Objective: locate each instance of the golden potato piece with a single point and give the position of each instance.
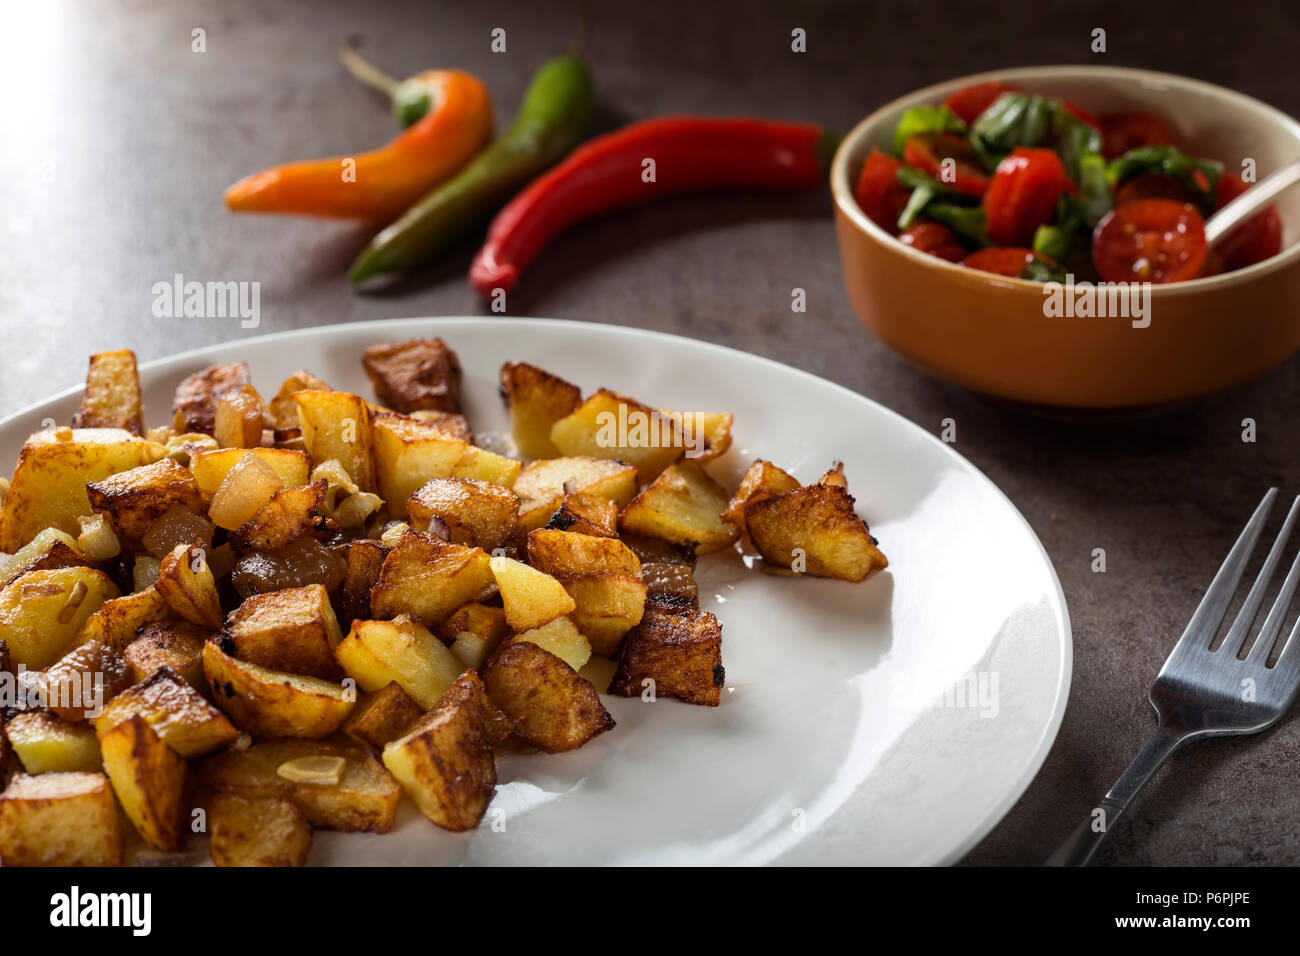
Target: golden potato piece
(292, 630)
(449, 423)
(707, 435)
(366, 798)
(608, 606)
(762, 480)
(445, 761)
(195, 402)
(677, 652)
(79, 684)
(583, 513)
(564, 554)
(477, 513)
(409, 453)
(175, 710)
(187, 585)
(483, 465)
(562, 639)
(42, 611)
(283, 411)
(47, 744)
(133, 500)
(403, 650)
(338, 425)
(59, 819)
(112, 396)
(269, 704)
(683, 505)
(609, 425)
(531, 598)
(240, 418)
(175, 643)
(415, 374)
(382, 716)
(475, 631)
(116, 622)
(814, 530)
(47, 551)
(257, 831)
(211, 467)
(150, 781)
(543, 485)
(536, 400)
(548, 704)
(429, 578)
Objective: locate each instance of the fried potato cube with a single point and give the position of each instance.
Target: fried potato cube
(609, 425)
(449, 423)
(59, 819)
(415, 374)
(536, 400)
(445, 761)
(586, 514)
(176, 644)
(283, 411)
(291, 630)
(47, 744)
(564, 554)
(112, 395)
(683, 505)
(562, 639)
(133, 500)
(338, 425)
(150, 780)
(549, 705)
(116, 622)
(835, 476)
(762, 480)
(483, 465)
(679, 650)
(608, 606)
(477, 513)
(50, 549)
(409, 453)
(365, 798)
(707, 435)
(83, 680)
(48, 488)
(186, 583)
(382, 716)
(363, 560)
(531, 598)
(543, 485)
(268, 703)
(42, 611)
(177, 712)
(257, 831)
(816, 530)
(429, 578)
(240, 418)
(195, 403)
(475, 630)
(670, 579)
(211, 467)
(402, 650)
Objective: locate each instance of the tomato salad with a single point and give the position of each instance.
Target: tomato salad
(1005, 181)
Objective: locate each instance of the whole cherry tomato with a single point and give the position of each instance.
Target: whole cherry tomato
(1256, 239)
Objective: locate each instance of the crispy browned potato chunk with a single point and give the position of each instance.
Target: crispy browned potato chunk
(89, 674)
(449, 423)
(564, 554)
(476, 513)
(543, 485)
(586, 514)
(429, 578)
(41, 612)
(445, 761)
(133, 500)
(683, 505)
(530, 597)
(609, 605)
(50, 549)
(112, 396)
(59, 819)
(178, 713)
(549, 705)
(174, 643)
(814, 530)
(475, 631)
(186, 583)
(675, 650)
(117, 621)
(338, 425)
(610, 425)
(44, 743)
(415, 374)
(290, 630)
(150, 781)
(257, 831)
(377, 652)
(364, 558)
(195, 402)
(283, 411)
(365, 797)
(670, 579)
(707, 434)
(239, 419)
(269, 703)
(382, 716)
(536, 400)
(762, 480)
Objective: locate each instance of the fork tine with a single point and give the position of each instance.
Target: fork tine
(1240, 630)
(1277, 614)
(1214, 605)
(1287, 668)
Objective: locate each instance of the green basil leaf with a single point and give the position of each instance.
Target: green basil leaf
(925, 119)
(921, 196)
(1036, 270)
(970, 222)
(1168, 161)
(1053, 242)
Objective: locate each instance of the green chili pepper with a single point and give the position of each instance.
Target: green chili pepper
(552, 120)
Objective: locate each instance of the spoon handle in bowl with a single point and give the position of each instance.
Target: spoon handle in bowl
(1251, 201)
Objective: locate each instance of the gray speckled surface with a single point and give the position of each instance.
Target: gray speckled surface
(120, 140)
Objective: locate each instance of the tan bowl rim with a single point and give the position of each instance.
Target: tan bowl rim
(843, 192)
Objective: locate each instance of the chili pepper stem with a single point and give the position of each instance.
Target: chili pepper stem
(583, 36)
(364, 70)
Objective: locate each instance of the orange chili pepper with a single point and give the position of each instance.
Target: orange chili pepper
(381, 184)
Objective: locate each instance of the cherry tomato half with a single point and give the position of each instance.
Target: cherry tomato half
(934, 239)
(1004, 260)
(1256, 239)
(1023, 194)
(1150, 240)
(879, 193)
(1121, 132)
(970, 101)
(928, 151)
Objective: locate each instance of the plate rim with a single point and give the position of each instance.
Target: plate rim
(1048, 735)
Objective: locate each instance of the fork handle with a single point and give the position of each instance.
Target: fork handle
(1079, 848)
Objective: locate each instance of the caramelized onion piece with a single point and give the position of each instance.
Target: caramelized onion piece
(246, 487)
(302, 562)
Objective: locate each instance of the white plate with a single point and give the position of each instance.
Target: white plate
(834, 743)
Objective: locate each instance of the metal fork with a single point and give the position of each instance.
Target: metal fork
(1202, 693)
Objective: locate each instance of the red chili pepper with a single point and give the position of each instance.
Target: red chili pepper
(689, 154)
